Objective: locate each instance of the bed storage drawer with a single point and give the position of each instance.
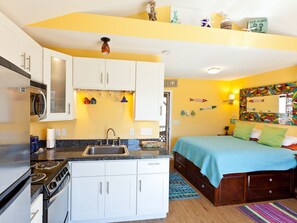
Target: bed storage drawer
(180, 164)
(179, 158)
(259, 194)
(268, 180)
(205, 188)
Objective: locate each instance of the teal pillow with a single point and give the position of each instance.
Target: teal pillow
(243, 131)
(272, 136)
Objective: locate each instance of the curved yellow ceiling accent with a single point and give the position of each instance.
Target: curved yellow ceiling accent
(83, 22)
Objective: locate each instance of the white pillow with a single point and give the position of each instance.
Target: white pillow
(256, 133)
(289, 140)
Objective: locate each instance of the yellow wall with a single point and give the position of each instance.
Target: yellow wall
(275, 77)
(208, 122)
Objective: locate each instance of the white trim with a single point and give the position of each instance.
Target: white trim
(170, 117)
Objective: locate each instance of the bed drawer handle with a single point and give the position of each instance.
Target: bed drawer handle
(270, 191)
(202, 186)
(270, 179)
(179, 166)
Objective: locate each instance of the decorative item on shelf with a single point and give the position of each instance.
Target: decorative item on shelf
(208, 108)
(182, 113)
(198, 100)
(230, 99)
(205, 22)
(226, 22)
(175, 18)
(151, 10)
(86, 101)
(105, 49)
(93, 101)
(193, 113)
(124, 99)
(258, 25)
(226, 128)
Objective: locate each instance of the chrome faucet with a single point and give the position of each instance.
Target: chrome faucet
(107, 134)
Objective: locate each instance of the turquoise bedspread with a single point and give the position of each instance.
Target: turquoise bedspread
(218, 155)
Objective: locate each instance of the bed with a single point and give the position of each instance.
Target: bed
(228, 170)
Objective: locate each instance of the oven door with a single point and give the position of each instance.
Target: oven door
(37, 104)
(58, 208)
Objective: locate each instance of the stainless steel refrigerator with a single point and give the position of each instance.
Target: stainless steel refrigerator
(14, 144)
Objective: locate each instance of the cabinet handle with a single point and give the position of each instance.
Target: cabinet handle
(24, 60)
(139, 185)
(153, 164)
(179, 166)
(101, 78)
(107, 189)
(100, 187)
(161, 110)
(107, 81)
(34, 214)
(270, 179)
(69, 108)
(270, 191)
(29, 63)
(202, 186)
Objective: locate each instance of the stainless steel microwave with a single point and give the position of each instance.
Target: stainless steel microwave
(37, 101)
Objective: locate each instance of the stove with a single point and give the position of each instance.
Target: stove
(54, 176)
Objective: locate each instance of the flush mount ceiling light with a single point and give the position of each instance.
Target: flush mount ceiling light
(105, 50)
(214, 70)
(166, 52)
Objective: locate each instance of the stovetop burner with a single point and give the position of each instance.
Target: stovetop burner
(33, 164)
(47, 165)
(36, 177)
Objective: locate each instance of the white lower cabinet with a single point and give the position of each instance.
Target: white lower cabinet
(87, 198)
(119, 190)
(36, 210)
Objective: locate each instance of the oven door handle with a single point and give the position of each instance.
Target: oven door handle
(61, 191)
(44, 110)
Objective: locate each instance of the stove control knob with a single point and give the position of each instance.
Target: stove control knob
(65, 170)
(53, 185)
(61, 174)
(58, 178)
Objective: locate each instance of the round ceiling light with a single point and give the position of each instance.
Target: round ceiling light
(214, 70)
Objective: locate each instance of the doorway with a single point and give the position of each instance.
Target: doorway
(165, 122)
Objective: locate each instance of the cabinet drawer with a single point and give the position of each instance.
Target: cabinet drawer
(119, 167)
(257, 194)
(88, 169)
(268, 180)
(180, 167)
(180, 158)
(36, 210)
(153, 166)
(205, 188)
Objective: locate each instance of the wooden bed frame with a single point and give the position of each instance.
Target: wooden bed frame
(240, 187)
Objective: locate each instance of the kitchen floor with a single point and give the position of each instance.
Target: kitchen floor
(201, 210)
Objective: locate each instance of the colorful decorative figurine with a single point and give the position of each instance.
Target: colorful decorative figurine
(205, 23)
(150, 9)
(93, 101)
(86, 101)
(175, 18)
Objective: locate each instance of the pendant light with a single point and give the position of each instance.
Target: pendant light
(105, 50)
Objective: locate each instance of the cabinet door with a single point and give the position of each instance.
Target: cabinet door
(152, 193)
(120, 75)
(120, 199)
(36, 210)
(58, 78)
(87, 198)
(88, 73)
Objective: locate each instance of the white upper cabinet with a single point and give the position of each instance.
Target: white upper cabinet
(100, 74)
(88, 73)
(57, 70)
(149, 91)
(20, 49)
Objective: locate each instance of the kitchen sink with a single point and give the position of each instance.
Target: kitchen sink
(106, 150)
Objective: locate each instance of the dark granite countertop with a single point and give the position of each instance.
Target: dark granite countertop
(35, 191)
(74, 153)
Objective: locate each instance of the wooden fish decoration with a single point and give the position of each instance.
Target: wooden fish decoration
(208, 108)
(256, 100)
(198, 100)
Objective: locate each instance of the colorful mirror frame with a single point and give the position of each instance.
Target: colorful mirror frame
(290, 118)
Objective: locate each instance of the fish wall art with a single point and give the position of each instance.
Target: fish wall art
(198, 100)
(208, 108)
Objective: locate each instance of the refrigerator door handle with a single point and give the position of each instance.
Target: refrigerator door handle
(5, 203)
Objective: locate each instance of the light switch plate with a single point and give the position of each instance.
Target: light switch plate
(132, 132)
(57, 132)
(64, 132)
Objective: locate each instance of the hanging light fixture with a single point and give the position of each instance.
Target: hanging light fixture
(105, 50)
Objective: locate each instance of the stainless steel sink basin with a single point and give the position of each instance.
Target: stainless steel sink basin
(95, 150)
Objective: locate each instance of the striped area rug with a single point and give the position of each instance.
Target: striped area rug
(270, 212)
(179, 189)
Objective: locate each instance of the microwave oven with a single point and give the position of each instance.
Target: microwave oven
(37, 101)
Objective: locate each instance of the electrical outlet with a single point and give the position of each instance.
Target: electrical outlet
(64, 132)
(132, 132)
(58, 132)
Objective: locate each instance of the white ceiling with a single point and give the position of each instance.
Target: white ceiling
(187, 59)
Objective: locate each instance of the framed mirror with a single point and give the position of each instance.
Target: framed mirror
(275, 104)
